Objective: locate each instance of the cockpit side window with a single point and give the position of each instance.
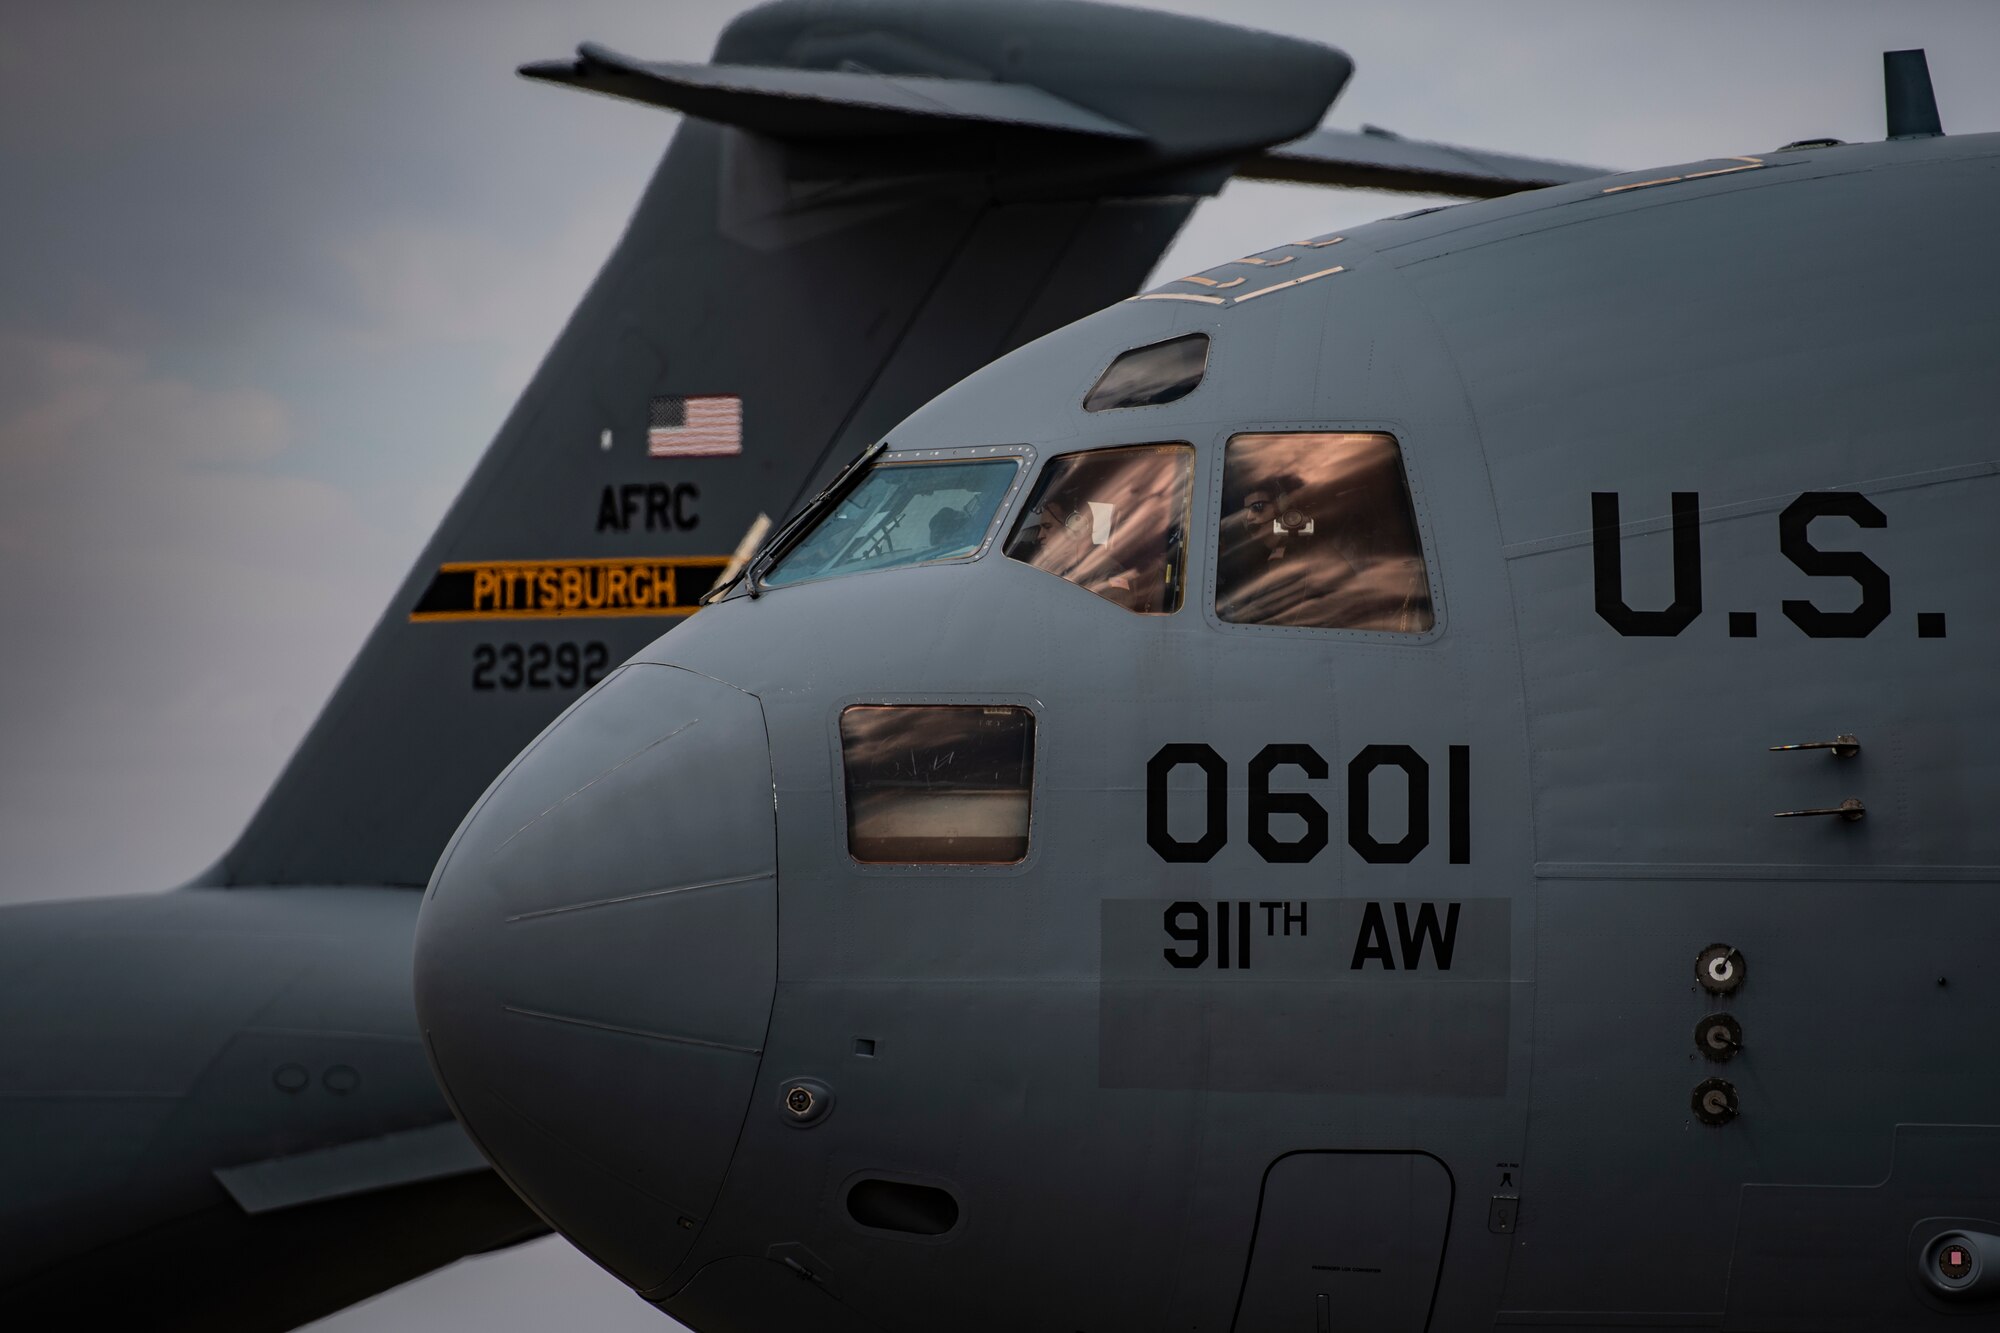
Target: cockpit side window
(1318, 530)
(938, 783)
(1114, 522)
(901, 514)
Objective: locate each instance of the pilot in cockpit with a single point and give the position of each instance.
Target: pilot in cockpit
(1062, 529)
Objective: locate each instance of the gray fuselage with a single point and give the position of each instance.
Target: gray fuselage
(651, 931)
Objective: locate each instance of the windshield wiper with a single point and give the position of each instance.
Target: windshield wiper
(796, 527)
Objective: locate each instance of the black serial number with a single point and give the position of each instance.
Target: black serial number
(538, 666)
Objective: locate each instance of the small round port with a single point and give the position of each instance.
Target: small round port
(1720, 969)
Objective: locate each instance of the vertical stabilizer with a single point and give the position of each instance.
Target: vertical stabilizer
(1908, 99)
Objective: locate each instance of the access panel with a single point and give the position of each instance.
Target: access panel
(1347, 1241)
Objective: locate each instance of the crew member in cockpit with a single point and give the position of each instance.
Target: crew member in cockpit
(1068, 551)
(1269, 539)
(951, 533)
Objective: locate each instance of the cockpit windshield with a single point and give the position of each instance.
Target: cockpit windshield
(901, 514)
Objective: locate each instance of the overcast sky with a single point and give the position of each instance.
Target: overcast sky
(271, 274)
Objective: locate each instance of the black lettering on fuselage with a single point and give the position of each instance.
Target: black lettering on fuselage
(1607, 561)
(1371, 941)
(1795, 540)
(1264, 803)
(1417, 827)
(1215, 807)
(1442, 941)
(1196, 934)
(1266, 808)
(1272, 912)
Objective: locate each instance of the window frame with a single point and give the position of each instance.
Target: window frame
(1419, 506)
(1023, 456)
(837, 778)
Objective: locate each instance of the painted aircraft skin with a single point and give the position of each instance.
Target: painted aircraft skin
(219, 1093)
(1702, 461)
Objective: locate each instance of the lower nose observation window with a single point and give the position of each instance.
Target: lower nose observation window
(1317, 530)
(938, 783)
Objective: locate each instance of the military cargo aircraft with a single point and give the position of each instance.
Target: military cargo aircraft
(218, 1094)
(1427, 777)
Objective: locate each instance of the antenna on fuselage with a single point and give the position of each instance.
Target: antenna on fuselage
(1906, 90)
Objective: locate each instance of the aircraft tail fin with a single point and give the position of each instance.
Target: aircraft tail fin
(881, 197)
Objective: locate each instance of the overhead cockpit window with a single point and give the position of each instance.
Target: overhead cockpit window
(1318, 530)
(938, 783)
(1147, 376)
(901, 514)
(1112, 521)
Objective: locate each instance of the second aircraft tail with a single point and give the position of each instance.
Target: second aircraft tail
(884, 197)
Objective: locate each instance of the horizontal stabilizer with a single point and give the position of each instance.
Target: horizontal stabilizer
(1375, 159)
(825, 104)
(404, 1158)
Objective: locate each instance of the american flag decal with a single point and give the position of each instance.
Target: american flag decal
(708, 425)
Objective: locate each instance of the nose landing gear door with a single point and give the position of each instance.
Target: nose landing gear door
(1347, 1240)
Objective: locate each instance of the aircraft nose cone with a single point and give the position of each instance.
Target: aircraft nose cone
(595, 961)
